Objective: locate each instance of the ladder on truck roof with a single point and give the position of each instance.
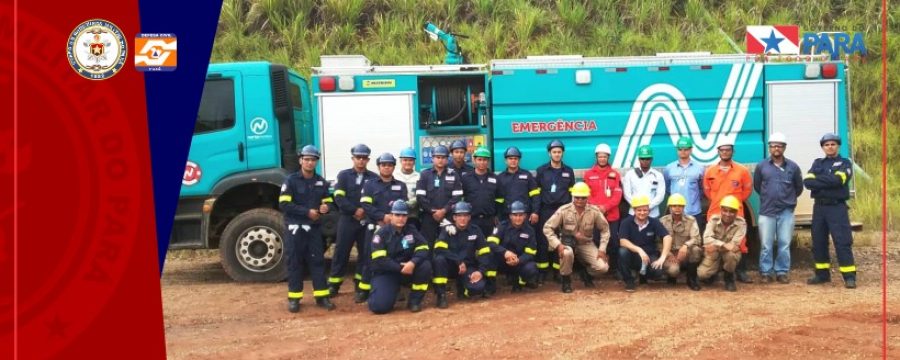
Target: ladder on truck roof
(661, 59)
(359, 64)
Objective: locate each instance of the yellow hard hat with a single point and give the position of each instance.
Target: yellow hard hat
(730, 202)
(581, 190)
(677, 199)
(640, 200)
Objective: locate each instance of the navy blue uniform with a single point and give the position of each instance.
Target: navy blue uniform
(522, 242)
(376, 198)
(436, 191)
(483, 193)
(828, 181)
(519, 186)
(468, 246)
(303, 237)
(461, 170)
(646, 240)
(392, 247)
(350, 230)
(555, 185)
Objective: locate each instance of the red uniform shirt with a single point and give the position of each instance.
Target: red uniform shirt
(606, 190)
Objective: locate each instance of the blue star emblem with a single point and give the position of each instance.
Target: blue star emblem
(772, 42)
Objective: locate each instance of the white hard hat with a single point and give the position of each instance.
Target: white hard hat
(777, 138)
(603, 148)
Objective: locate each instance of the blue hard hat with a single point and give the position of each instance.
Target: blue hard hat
(386, 158)
(517, 207)
(830, 137)
(408, 153)
(440, 150)
(309, 150)
(360, 150)
(556, 143)
(512, 151)
(399, 207)
(462, 207)
(458, 144)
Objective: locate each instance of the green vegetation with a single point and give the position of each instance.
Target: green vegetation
(297, 32)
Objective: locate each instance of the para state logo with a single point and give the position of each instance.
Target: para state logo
(96, 49)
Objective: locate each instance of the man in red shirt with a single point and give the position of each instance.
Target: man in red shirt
(606, 194)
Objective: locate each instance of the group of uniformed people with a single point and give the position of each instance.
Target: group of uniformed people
(462, 223)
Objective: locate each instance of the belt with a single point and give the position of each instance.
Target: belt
(829, 202)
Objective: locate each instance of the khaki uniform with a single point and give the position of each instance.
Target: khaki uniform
(561, 229)
(717, 234)
(684, 233)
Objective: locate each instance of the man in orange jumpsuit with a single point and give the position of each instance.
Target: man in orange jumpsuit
(729, 178)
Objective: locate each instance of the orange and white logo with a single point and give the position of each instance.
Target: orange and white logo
(155, 52)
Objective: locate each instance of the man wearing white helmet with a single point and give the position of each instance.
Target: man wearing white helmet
(778, 182)
(407, 173)
(606, 194)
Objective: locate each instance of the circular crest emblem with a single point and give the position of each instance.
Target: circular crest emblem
(191, 174)
(96, 49)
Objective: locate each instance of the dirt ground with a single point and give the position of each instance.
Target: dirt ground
(208, 316)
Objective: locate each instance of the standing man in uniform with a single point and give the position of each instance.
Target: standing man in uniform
(638, 251)
(779, 183)
(377, 197)
(722, 242)
(687, 245)
(729, 178)
(685, 177)
(437, 190)
(408, 175)
(645, 180)
(828, 180)
(304, 199)
(555, 180)
(570, 233)
(460, 252)
(351, 227)
(458, 149)
(606, 194)
(400, 256)
(514, 246)
(517, 184)
(482, 191)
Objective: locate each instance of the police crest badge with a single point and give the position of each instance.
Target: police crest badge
(96, 49)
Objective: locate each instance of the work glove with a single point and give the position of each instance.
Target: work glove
(451, 230)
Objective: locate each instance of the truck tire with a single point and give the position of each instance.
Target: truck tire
(252, 247)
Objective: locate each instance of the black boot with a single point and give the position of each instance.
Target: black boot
(414, 306)
(671, 281)
(566, 284)
(712, 279)
(692, 281)
(325, 303)
(361, 296)
(850, 283)
(819, 278)
(442, 299)
(333, 289)
(741, 271)
(587, 279)
(461, 292)
(729, 282)
(294, 305)
(490, 288)
(556, 277)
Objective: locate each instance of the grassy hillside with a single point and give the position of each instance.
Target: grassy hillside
(390, 32)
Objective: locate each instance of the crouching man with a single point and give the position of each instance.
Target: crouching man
(399, 257)
(722, 242)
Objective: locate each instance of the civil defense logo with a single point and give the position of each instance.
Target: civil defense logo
(259, 126)
(97, 49)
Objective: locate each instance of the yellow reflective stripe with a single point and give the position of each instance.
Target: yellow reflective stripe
(378, 253)
(365, 286)
(286, 198)
(484, 250)
(421, 247)
(493, 239)
(531, 251)
(335, 280)
(328, 200)
(439, 280)
(851, 268)
(809, 176)
(441, 245)
(420, 287)
(500, 200)
(842, 175)
(491, 273)
(340, 193)
(521, 281)
(295, 295)
(556, 266)
(357, 276)
(543, 265)
(321, 293)
(823, 266)
(534, 192)
(366, 199)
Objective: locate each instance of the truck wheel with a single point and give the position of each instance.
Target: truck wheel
(252, 247)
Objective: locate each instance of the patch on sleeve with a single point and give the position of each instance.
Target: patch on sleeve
(492, 180)
(565, 175)
(395, 187)
(523, 177)
(523, 235)
(473, 237)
